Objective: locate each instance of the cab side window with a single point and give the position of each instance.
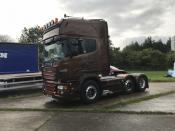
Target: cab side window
(75, 47)
(66, 48)
(88, 45)
(82, 46)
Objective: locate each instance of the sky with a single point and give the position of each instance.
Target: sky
(128, 20)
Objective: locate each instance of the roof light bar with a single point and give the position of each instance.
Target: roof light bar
(51, 23)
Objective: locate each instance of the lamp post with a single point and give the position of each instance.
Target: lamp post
(173, 49)
(173, 46)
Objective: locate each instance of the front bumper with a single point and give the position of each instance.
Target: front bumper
(65, 91)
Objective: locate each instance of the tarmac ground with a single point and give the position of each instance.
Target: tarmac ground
(33, 112)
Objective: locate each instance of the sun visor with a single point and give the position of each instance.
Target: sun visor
(82, 28)
(51, 33)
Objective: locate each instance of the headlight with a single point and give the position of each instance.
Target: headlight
(60, 87)
(59, 82)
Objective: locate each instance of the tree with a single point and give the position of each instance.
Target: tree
(131, 59)
(153, 59)
(5, 38)
(115, 55)
(148, 43)
(134, 46)
(170, 59)
(149, 55)
(31, 35)
(168, 44)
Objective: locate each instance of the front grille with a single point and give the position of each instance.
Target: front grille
(49, 74)
(50, 86)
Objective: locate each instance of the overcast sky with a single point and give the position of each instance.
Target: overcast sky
(127, 19)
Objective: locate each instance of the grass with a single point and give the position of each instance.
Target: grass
(88, 111)
(136, 100)
(21, 96)
(156, 76)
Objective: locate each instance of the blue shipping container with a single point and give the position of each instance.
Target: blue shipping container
(18, 58)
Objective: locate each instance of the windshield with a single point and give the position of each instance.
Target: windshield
(55, 51)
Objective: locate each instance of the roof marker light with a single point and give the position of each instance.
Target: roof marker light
(42, 28)
(45, 27)
(56, 20)
(52, 22)
(48, 25)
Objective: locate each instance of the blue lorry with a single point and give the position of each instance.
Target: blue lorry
(18, 58)
(18, 63)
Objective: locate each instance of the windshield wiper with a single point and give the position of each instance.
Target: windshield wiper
(58, 58)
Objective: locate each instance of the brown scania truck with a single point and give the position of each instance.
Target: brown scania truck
(76, 62)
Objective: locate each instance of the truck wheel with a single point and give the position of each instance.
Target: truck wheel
(90, 92)
(142, 83)
(129, 85)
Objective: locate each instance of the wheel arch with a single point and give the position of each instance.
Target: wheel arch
(147, 80)
(133, 78)
(96, 79)
(138, 75)
(88, 77)
(85, 84)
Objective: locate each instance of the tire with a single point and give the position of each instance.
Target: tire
(129, 85)
(90, 92)
(142, 83)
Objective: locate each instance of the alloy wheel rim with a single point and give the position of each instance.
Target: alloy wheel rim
(142, 83)
(91, 92)
(128, 85)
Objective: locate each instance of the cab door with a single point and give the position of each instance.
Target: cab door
(75, 60)
(84, 57)
(90, 55)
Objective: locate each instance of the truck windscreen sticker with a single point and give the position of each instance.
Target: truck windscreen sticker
(51, 33)
(3, 55)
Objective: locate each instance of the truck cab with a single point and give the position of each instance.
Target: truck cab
(76, 61)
